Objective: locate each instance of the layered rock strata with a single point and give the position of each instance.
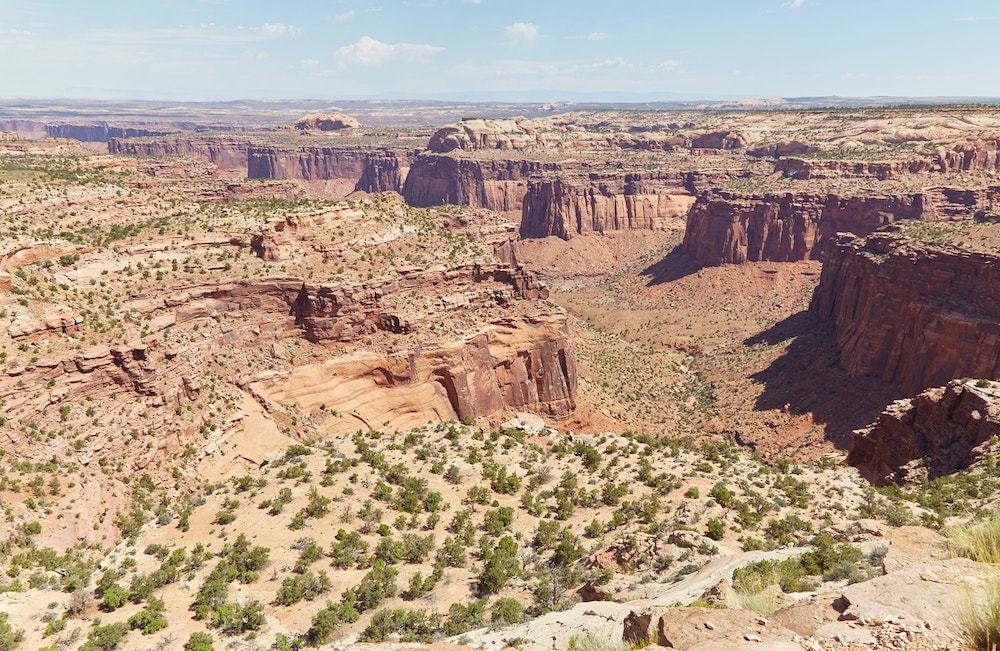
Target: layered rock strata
(938, 432)
(228, 154)
(372, 170)
(730, 228)
(564, 208)
(435, 180)
(915, 315)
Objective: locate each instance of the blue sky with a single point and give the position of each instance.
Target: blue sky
(511, 50)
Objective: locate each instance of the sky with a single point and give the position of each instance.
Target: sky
(497, 50)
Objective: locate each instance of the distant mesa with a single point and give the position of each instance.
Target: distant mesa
(326, 122)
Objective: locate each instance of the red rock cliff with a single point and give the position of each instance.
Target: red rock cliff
(942, 427)
(373, 170)
(434, 180)
(228, 154)
(567, 208)
(729, 228)
(916, 316)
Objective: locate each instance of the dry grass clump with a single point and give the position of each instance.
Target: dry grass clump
(978, 541)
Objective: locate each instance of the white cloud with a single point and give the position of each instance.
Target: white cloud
(473, 2)
(668, 66)
(522, 33)
(794, 4)
(596, 36)
(370, 52)
(347, 15)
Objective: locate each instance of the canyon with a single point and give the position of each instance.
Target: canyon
(643, 357)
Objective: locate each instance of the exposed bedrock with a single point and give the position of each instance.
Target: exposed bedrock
(938, 432)
(434, 180)
(914, 315)
(523, 363)
(729, 228)
(228, 154)
(372, 170)
(974, 156)
(566, 208)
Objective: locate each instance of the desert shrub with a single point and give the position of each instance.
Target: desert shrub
(347, 549)
(236, 619)
(306, 586)
(150, 619)
(326, 621)
(410, 625)
(464, 617)
(378, 584)
(10, 637)
(501, 565)
(105, 638)
(199, 641)
(978, 541)
(506, 610)
(979, 617)
(715, 529)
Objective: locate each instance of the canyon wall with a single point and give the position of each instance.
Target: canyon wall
(565, 208)
(517, 362)
(914, 315)
(228, 154)
(730, 228)
(435, 180)
(372, 170)
(936, 433)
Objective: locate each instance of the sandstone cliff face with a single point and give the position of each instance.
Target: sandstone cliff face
(946, 426)
(373, 170)
(563, 209)
(521, 362)
(435, 180)
(729, 228)
(916, 316)
(799, 169)
(228, 154)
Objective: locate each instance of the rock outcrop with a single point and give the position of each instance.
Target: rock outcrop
(473, 134)
(523, 364)
(434, 180)
(326, 122)
(371, 170)
(730, 228)
(228, 154)
(598, 205)
(915, 315)
(938, 432)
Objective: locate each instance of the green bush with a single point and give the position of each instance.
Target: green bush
(199, 641)
(105, 638)
(10, 637)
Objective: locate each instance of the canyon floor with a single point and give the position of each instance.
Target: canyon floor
(585, 380)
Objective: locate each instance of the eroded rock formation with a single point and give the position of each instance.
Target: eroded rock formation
(630, 202)
(938, 432)
(434, 180)
(228, 154)
(730, 228)
(371, 170)
(915, 315)
(326, 122)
